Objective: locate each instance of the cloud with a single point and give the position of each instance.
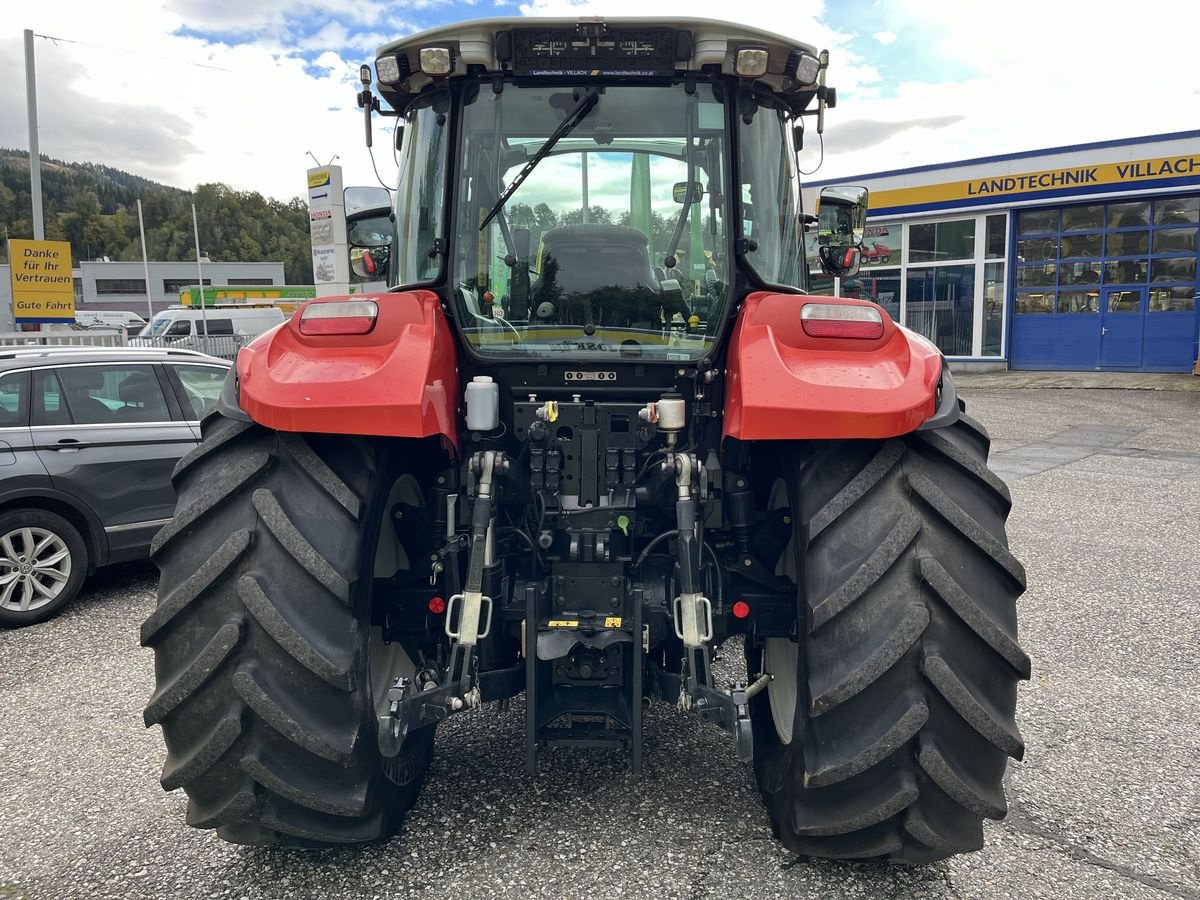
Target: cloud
(237, 91)
(860, 134)
(148, 142)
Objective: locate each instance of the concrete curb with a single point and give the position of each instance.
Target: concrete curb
(1120, 381)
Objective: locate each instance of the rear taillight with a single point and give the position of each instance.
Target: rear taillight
(339, 317)
(838, 320)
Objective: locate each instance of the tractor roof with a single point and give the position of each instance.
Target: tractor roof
(627, 47)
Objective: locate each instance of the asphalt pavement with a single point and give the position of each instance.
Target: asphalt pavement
(1106, 490)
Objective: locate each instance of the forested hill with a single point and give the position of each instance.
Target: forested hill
(95, 208)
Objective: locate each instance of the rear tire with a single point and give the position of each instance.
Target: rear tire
(262, 641)
(888, 729)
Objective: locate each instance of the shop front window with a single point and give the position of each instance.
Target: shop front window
(1128, 243)
(993, 308)
(1079, 301)
(1173, 299)
(1036, 275)
(1083, 218)
(883, 287)
(1033, 302)
(1177, 211)
(1037, 221)
(941, 306)
(1178, 268)
(940, 241)
(997, 234)
(1080, 272)
(1125, 271)
(1175, 240)
(1128, 215)
(1083, 245)
(1033, 249)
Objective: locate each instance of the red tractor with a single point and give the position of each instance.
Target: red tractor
(560, 457)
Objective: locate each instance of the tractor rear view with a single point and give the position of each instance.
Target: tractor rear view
(595, 429)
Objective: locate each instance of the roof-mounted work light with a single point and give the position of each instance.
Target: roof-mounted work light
(751, 62)
(388, 69)
(807, 68)
(436, 60)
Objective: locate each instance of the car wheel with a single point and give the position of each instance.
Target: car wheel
(43, 561)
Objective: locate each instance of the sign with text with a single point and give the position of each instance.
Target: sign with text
(1101, 177)
(327, 223)
(42, 287)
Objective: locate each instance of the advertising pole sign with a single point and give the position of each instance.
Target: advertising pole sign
(42, 287)
(327, 225)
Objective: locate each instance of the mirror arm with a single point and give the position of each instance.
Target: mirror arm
(689, 132)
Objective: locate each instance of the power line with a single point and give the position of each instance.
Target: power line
(62, 40)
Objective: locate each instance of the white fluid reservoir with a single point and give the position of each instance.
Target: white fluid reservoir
(483, 404)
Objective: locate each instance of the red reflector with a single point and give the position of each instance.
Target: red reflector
(841, 320)
(830, 328)
(741, 609)
(347, 325)
(437, 606)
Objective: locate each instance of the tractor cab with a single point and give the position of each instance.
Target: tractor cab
(598, 189)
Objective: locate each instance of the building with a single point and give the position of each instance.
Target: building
(1080, 257)
(103, 285)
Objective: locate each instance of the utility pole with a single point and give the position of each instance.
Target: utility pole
(35, 159)
(200, 279)
(145, 263)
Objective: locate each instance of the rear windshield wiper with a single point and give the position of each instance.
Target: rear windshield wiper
(574, 116)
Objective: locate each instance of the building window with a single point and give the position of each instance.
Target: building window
(941, 306)
(175, 285)
(994, 284)
(1066, 256)
(941, 241)
(881, 286)
(110, 286)
(250, 281)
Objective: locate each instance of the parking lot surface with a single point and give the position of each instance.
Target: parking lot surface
(1106, 518)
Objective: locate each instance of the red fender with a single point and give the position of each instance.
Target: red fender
(400, 380)
(785, 385)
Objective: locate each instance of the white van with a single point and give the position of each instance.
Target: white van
(180, 322)
(114, 319)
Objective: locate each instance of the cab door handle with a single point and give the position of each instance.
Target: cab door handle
(69, 445)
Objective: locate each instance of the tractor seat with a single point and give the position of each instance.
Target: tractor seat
(584, 258)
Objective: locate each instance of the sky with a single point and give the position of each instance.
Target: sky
(240, 91)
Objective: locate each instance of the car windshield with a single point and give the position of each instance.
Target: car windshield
(615, 243)
(157, 326)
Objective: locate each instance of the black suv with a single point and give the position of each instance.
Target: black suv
(88, 439)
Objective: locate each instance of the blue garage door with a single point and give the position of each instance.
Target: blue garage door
(1107, 286)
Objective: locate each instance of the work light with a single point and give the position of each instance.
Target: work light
(435, 60)
(807, 68)
(751, 62)
(388, 69)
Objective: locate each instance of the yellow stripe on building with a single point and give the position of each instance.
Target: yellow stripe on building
(1114, 174)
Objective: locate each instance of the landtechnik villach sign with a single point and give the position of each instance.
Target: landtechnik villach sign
(1100, 177)
(42, 289)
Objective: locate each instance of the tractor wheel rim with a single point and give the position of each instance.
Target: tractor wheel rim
(781, 659)
(35, 565)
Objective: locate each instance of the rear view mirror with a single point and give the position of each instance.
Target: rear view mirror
(679, 193)
(842, 216)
